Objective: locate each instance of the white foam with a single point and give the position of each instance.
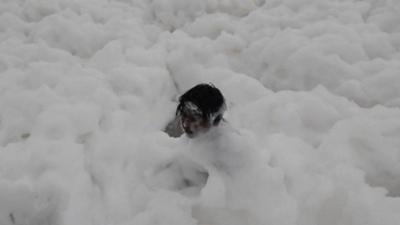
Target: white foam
(312, 94)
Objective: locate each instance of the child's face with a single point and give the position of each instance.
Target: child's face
(193, 125)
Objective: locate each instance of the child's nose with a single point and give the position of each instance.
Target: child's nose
(185, 123)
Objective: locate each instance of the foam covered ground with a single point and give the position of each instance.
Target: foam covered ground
(312, 89)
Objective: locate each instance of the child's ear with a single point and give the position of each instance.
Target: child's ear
(217, 120)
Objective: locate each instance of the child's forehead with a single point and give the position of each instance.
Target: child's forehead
(192, 109)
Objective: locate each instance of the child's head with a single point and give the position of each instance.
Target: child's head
(200, 108)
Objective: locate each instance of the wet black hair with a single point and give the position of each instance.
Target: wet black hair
(207, 98)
